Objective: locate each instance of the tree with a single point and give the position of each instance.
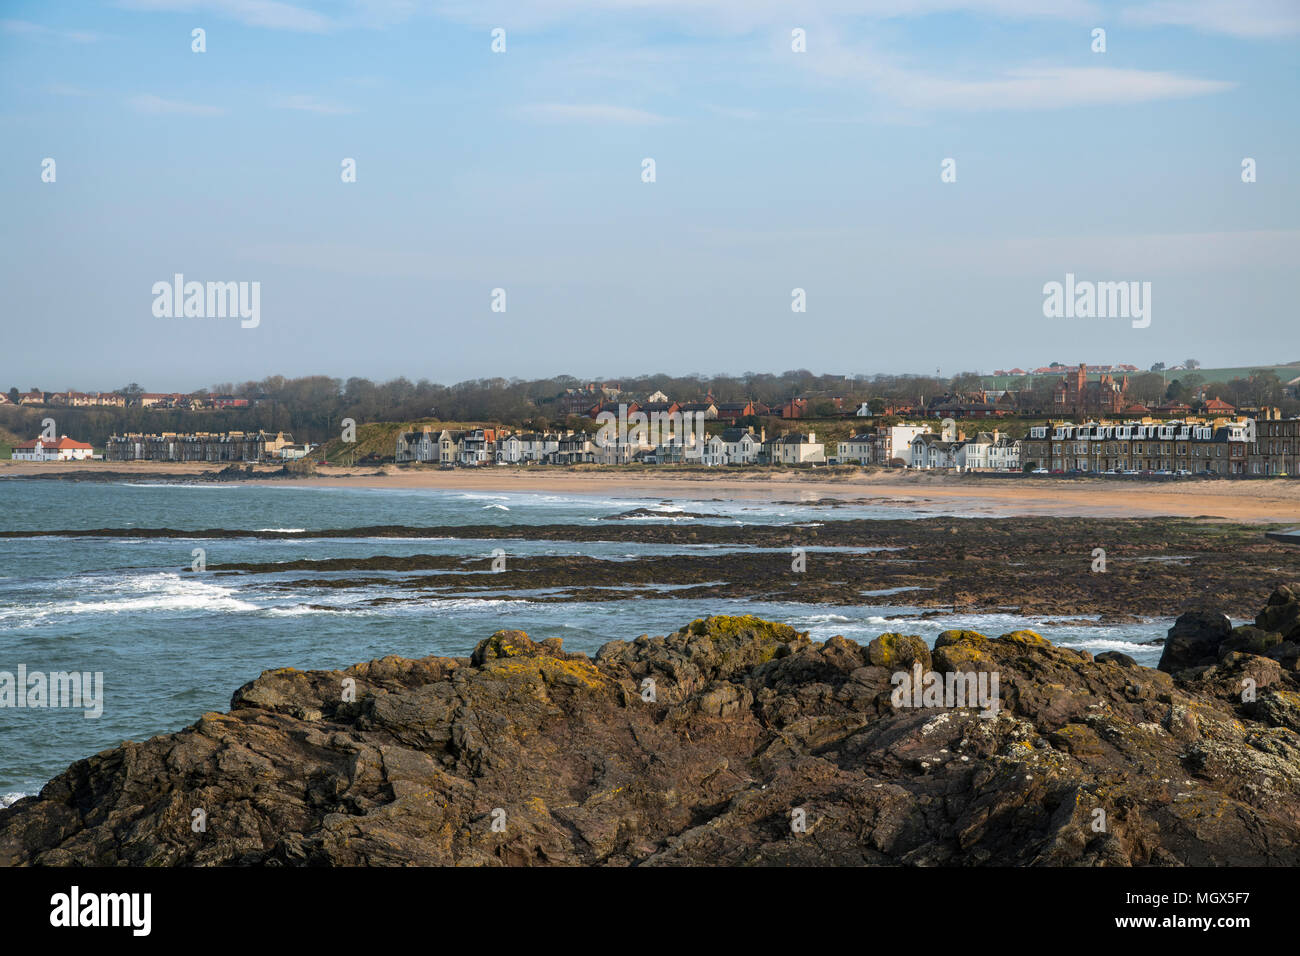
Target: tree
(1192, 363)
(130, 392)
(1158, 367)
(1146, 388)
(14, 394)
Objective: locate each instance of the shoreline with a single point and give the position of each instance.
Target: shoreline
(1263, 501)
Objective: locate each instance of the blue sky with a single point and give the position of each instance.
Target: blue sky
(522, 170)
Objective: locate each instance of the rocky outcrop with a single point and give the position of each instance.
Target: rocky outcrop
(1202, 639)
(731, 741)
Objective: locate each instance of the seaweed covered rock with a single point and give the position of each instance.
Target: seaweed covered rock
(898, 651)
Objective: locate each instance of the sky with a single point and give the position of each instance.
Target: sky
(775, 169)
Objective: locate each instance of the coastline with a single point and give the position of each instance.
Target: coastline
(1244, 500)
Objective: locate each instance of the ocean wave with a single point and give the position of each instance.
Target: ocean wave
(9, 799)
(152, 592)
(178, 484)
(471, 604)
(825, 619)
(1100, 644)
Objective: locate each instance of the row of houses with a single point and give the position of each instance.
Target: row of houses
(204, 446)
(485, 446)
(159, 400)
(1056, 369)
(1268, 446)
(918, 446)
(897, 445)
(489, 446)
(1229, 447)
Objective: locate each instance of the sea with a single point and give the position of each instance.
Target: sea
(172, 645)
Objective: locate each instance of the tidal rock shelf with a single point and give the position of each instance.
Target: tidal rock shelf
(1153, 567)
(705, 746)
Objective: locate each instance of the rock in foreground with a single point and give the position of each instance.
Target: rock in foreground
(732, 741)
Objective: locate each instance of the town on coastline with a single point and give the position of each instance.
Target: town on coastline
(1092, 425)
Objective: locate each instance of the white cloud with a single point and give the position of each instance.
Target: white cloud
(27, 28)
(271, 14)
(1241, 18)
(1020, 88)
(593, 113)
(149, 103)
(310, 104)
(65, 89)
(1030, 88)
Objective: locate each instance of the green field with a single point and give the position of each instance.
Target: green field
(1284, 372)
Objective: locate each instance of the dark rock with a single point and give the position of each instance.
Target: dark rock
(1249, 640)
(1281, 614)
(1194, 641)
(696, 748)
(1115, 657)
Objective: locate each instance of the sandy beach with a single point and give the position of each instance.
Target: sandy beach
(1263, 501)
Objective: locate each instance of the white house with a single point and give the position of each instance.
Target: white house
(50, 449)
(1004, 454)
(509, 450)
(538, 446)
(938, 452)
(733, 446)
(973, 453)
(859, 449)
(895, 441)
(795, 449)
(477, 447)
(574, 448)
(294, 452)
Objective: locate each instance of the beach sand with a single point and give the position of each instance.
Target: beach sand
(1264, 501)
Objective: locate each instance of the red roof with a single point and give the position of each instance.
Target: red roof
(63, 443)
(1218, 403)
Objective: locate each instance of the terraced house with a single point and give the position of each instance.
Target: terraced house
(1217, 448)
(1276, 450)
(197, 446)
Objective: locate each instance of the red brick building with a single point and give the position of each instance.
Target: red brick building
(1076, 395)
